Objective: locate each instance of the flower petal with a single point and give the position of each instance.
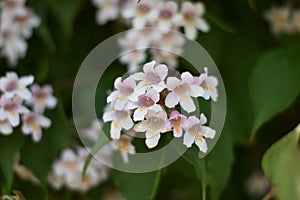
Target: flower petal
(188, 139)
(171, 100)
(187, 104)
(202, 145)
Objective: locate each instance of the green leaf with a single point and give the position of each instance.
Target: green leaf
(66, 12)
(274, 84)
(214, 169)
(9, 146)
(39, 156)
(281, 163)
(137, 186)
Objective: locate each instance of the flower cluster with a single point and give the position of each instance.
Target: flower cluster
(150, 102)
(17, 22)
(165, 15)
(283, 20)
(67, 171)
(15, 101)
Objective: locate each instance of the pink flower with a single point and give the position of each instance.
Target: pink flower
(5, 126)
(145, 11)
(166, 14)
(177, 122)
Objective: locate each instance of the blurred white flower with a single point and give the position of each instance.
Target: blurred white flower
(17, 22)
(11, 108)
(11, 85)
(5, 126)
(124, 145)
(33, 124)
(191, 18)
(108, 10)
(42, 98)
(257, 184)
(145, 11)
(91, 133)
(67, 171)
(196, 133)
(295, 21)
(166, 14)
(154, 125)
(279, 17)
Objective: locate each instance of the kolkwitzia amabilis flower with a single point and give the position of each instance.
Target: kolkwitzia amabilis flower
(17, 22)
(209, 85)
(145, 11)
(42, 98)
(295, 21)
(145, 103)
(11, 108)
(124, 145)
(67, 171)
(166, 14)
(154, 125)
(182, 91)
(17, 101)
(11, 85)
(153, 76)
(108, 10)
(33, 124)
(120, 119)
(155, 110)
(197, 133)
(191, 18)
(177, 122)
(279, 19)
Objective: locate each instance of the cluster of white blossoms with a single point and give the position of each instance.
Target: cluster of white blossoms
(16, 24)
(160, 14)
(151, 102)
(67, 171)
(16, 99)
(283, 20)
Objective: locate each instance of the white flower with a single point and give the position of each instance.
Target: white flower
(196, 132)
(131, 54)
(11, 108)
(279, 19)
(128, 8)
(166, 14)
(12, 45)
(42, 98)
(182, 91)
(154, 125)
(209, 85)
(108, 10)
(68, 169)
(5, 126)
(152, 77)
(145, 11)
(120, 119)
(145, 103)
(91, 133)
(124, 94)
(124, 145)
(177, 122)
(11, 85)
(191, 17)
(27, 20)
(33, 124)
